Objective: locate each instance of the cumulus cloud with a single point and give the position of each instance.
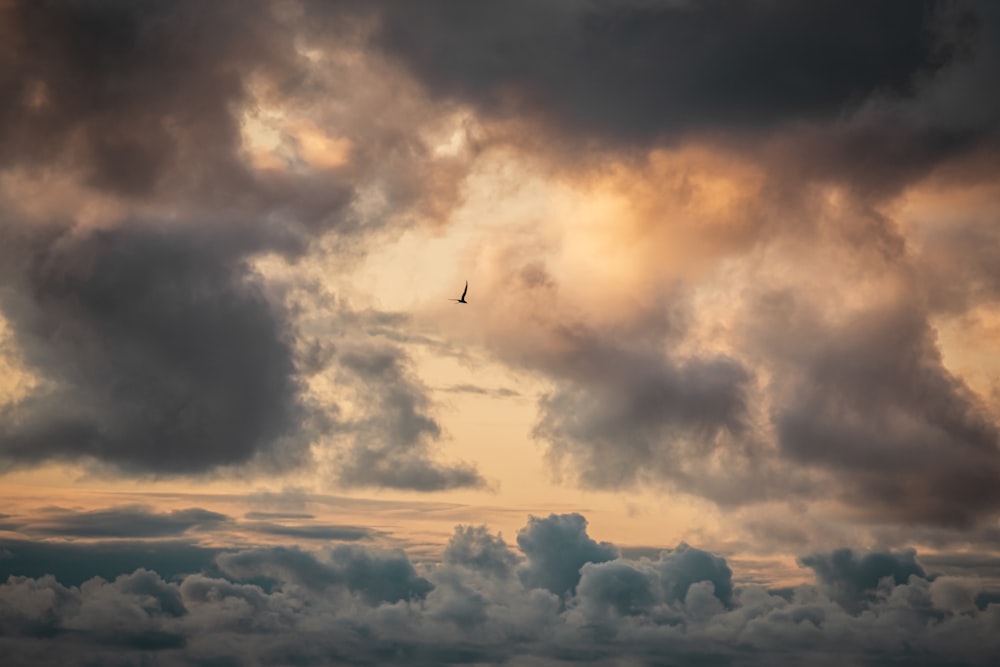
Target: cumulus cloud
(556, 547)
(373, 606)
(476, 548)
(850, 577)
(696, 581)
(377, 576)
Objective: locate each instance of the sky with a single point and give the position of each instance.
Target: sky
(725, 390)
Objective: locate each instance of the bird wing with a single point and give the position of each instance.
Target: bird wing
(466, 289)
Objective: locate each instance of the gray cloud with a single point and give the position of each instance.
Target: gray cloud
(849, 400)
(640, 69)
(624, 411)
(357, 606)
(872, 394)
(175, 360)
(685, 566)
(137, 611)
(772, 79)
(258, 516)
(124, 522)
(501, 392)
(72, 563)
(681, 581)
(963, 564)
(615, 586)
(143, 102)
(114, 86)
(955, 259)
(147, 584)
(556, 547)
(851, 578)
(476, 548)
(310, 531)
(377, 576)
(162, 352)
(393, 438)
(180, 361)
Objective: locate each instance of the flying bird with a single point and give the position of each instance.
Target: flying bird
(462, 300)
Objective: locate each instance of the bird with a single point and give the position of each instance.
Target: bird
(462, 300)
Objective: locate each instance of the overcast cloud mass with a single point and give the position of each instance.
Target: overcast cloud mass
(733, 292)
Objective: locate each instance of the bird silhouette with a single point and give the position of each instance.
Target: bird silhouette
(462, 300)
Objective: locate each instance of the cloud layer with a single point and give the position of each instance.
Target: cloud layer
(353, 605)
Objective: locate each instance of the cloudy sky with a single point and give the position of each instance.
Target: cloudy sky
(726, 389)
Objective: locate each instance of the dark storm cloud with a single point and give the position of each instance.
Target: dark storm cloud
(125, 522)
(872, 97)
(174, 359)
(870, 395)
(358, 606)
(126, 91)
(170, 359)
(394, 436)
(143, 100)
(162, 352)
(636, 70)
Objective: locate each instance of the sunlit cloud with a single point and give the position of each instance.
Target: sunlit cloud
(732, 297)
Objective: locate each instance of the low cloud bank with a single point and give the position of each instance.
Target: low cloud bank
(563, 598)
